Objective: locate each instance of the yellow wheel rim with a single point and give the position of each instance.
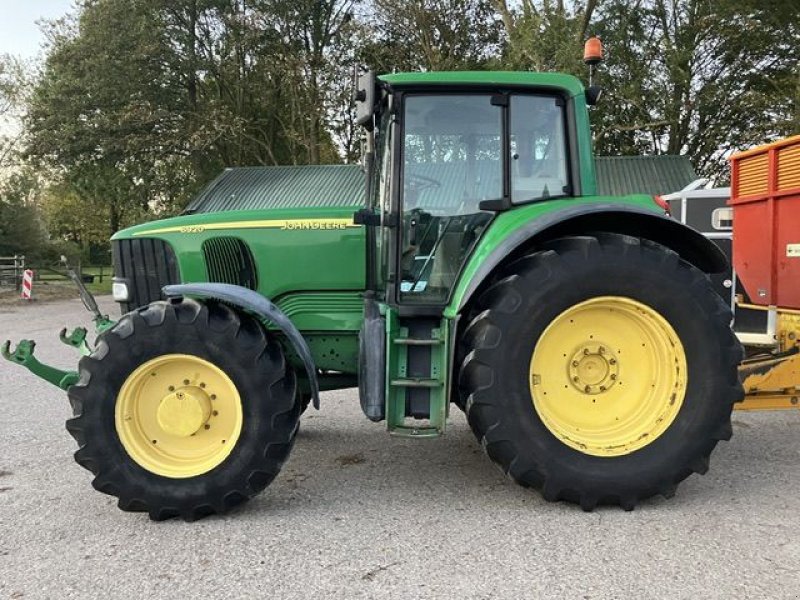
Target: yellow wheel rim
(608, 376)
(178, 415)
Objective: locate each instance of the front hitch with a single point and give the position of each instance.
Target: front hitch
(76, 339)
(23, 355)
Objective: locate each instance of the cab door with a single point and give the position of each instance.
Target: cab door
(451, 159)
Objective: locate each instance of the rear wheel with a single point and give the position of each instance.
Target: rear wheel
(184, 409)
(600, 370)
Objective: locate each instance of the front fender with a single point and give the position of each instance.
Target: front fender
(260, 307)
(585, 218)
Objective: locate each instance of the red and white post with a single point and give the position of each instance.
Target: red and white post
(27, 284)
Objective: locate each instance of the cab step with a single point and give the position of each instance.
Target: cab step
(417, 382)
(417, 342)
(416, 375)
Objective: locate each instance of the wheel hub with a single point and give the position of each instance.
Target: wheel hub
(587, 397)
(593, 369)
(184, 411)
(178, 415)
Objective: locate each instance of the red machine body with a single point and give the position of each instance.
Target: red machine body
(765, 196)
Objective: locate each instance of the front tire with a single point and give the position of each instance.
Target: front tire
(600, 370)
(184, 409)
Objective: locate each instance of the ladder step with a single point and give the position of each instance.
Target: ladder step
(416, 382)
(416, 432)
(417, 342)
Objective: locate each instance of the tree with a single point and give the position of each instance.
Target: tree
(431, 35)
(544, 35)
(21, 227)
(141, 102)
(681, 77)
(697, 78)
(13, 89)
(107, 104)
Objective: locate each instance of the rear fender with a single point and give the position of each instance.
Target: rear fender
(584, 219)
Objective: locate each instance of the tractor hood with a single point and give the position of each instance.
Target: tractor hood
(297, 218)
(274, 252)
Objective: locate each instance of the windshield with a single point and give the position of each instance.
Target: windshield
(452, 160)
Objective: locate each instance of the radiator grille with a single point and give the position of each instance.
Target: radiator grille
(229, 260)
(147, 265)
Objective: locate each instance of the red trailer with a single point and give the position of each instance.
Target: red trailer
(765, 196)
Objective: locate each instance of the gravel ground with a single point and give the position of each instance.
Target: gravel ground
(358, 514)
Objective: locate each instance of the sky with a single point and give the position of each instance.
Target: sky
(21, 36)
(19, 33)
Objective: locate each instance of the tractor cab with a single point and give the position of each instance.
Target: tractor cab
(447, 159)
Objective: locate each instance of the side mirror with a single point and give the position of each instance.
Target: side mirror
(364, 97)
(593, 93)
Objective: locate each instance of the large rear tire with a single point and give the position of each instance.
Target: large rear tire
(600, 370)
(184, 409)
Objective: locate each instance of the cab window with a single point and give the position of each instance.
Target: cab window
(537, 148)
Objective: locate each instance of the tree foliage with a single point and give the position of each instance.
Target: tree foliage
(681, 76)
(431, 35)
(141, 102)
(21, 228)
(14, 86)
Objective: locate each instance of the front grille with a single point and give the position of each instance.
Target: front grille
(229, 260)
(147, 265)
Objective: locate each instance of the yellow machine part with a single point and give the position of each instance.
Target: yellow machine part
(772, 382)
(608, 376)
(178, 416)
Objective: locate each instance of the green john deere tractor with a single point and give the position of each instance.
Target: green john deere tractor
(579, 333)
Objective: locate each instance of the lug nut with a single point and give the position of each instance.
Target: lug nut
(574, 363)
(587, 389)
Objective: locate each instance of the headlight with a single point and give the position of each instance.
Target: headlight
(119, 290)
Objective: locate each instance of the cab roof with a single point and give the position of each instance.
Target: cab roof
(571, 84)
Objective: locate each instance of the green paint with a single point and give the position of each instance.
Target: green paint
(572, 85)
(288, 260)
(324, 311)
(336, 352)
(76, 339)
(398, 381)
(23, 355)
(508, 222)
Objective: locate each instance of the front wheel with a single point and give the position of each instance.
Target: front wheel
(601, 370)
(184, 409)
